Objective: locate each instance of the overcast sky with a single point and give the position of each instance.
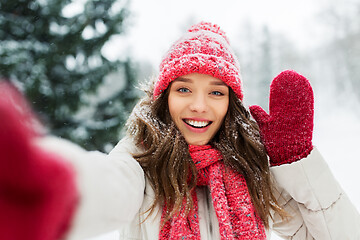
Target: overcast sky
(156, 24)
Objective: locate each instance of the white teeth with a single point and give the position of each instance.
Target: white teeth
(198, 124)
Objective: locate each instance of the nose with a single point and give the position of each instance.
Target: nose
(199, 103)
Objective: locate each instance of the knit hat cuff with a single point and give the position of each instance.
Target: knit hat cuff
(203, 64)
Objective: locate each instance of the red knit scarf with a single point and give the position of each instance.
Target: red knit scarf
(231, 199)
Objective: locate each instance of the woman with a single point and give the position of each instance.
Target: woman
(195, 166)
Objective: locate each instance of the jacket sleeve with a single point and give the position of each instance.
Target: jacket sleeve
(111, 186)
(318, 207)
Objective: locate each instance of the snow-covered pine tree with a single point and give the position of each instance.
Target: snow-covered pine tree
(55, 58)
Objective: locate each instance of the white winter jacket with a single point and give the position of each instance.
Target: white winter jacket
(115, 195)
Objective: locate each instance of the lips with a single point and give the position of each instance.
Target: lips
(197, 123)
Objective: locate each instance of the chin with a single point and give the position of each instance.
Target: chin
(197, 142)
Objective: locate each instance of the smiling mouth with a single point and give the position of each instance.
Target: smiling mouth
(197, 124)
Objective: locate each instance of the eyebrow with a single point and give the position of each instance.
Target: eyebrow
(213, 82)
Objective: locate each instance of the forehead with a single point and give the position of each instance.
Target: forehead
(200, 78)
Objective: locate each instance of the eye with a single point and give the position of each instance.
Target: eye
(183, 90)
(217, 93)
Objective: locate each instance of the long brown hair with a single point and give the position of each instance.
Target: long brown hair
(168, 165)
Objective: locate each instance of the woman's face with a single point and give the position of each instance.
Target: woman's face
(198, 104)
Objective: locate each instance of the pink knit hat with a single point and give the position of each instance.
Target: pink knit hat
(203, 49)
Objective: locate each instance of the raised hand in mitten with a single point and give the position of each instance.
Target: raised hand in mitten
(37, 189)
(287, 130)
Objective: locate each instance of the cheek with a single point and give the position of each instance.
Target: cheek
(172, 103)
(222, 110)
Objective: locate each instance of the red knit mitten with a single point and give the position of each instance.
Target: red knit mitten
(287, 131)
(38, 195)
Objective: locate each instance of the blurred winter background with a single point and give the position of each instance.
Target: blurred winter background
(78, 62)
